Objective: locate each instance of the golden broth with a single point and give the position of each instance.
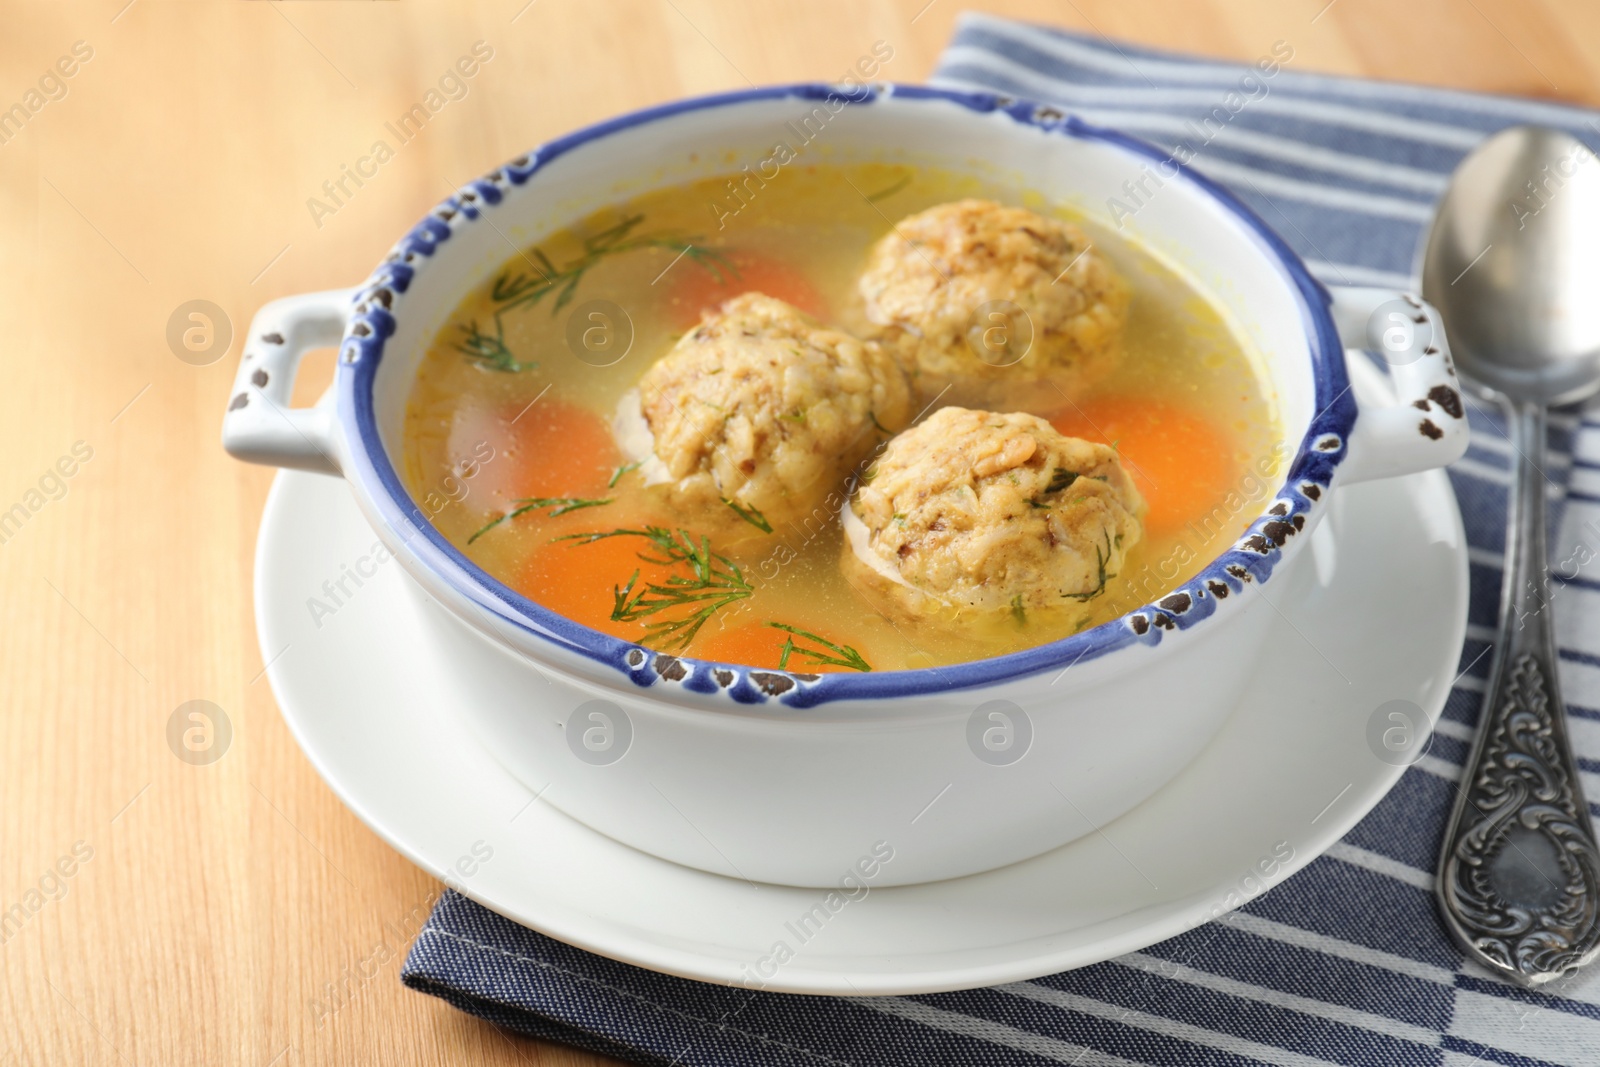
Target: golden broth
(1185, 409)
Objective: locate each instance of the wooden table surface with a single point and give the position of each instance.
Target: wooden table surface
(154, 910)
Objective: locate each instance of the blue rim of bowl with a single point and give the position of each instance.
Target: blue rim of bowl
(1251, 559)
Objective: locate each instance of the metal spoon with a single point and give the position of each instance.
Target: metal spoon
(1512, 262)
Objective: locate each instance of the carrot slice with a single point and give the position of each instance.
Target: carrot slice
(576, 579)
(752, 644)
(552, 448)
(755, 644)
(1181, 463)
(697, 290)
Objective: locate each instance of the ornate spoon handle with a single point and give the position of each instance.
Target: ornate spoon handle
(1519, 873)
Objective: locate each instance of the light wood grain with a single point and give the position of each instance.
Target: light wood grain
(222, 900)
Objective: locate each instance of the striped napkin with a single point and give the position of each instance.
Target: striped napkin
(1345, 963)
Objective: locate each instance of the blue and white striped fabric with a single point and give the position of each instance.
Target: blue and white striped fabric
(1344, 963)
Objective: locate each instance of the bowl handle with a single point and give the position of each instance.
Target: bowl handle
(259, 425)
(1426, 426)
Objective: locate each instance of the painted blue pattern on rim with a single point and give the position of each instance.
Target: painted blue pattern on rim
(1251, 560)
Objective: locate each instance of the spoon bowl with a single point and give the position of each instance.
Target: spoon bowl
(1512, 262)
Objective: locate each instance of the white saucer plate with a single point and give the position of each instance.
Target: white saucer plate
(1378, 615)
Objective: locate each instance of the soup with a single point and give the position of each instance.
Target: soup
(528, 434)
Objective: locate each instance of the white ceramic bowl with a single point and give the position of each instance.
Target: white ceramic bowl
(891, 777)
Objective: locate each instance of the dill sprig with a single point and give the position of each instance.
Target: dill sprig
(490, 353)
(836, 655)
(559, 505)
(1101, 559)
(886, 193)
(518, 290)
(714, 581)
(751, 514)
(1019, 612)
(1060, 479)
(616, 475)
